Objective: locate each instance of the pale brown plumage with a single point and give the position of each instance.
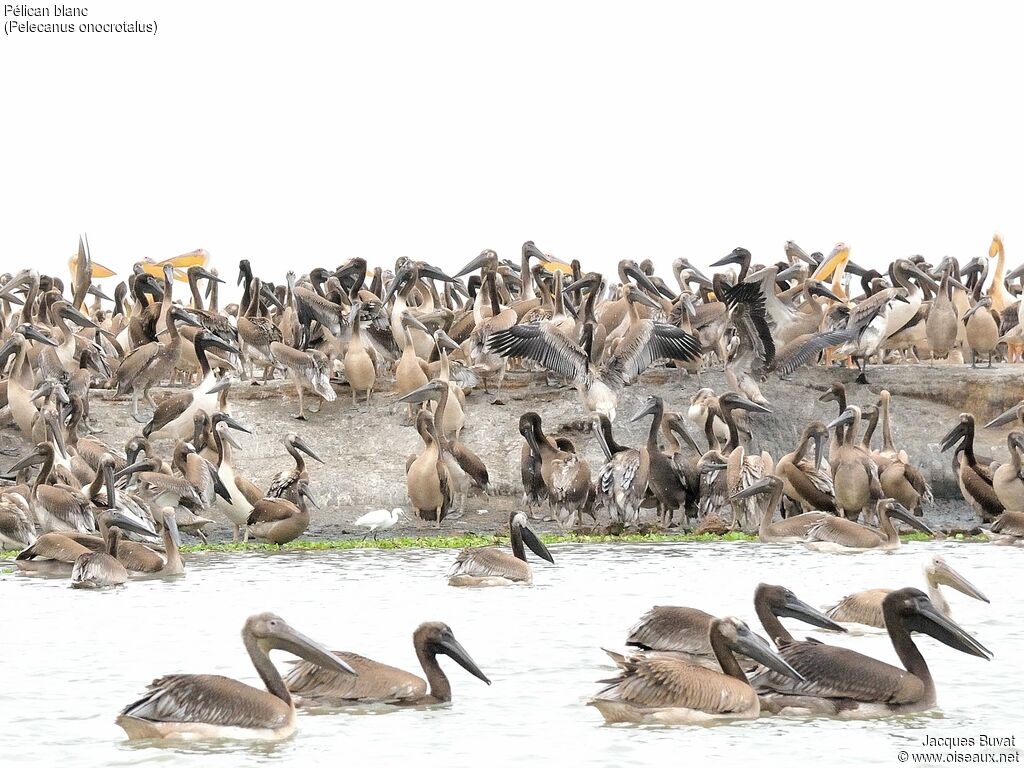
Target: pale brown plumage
(213, 706)
(490, 566)
(313, 685)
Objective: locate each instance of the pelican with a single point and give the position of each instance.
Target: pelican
(566, 475)
(493, 567)
(100, 569)
(789, 530)
(175, 415)
(982, 330)
(55, 507)
(866, 607)
(278, 520)
(284, 484)
(154, 362)
(20, 383)
(644, 342)
(17, 530)
(427, 479)
(975, 478)
(377, 683)
(837, 534)
(1007, 529)
(308, 370)
(668, 691)
(198, 707)
(809, 482)
(683, 632)
(843, 683)
(854, 472)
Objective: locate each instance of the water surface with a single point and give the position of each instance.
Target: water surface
(72, 659)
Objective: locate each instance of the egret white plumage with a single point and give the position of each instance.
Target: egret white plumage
(379, 520)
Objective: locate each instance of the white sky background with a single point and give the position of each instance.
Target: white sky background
(296, 134)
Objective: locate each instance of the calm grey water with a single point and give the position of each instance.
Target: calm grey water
(71, 659)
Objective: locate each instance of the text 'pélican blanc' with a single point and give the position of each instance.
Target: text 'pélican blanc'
(22, 19)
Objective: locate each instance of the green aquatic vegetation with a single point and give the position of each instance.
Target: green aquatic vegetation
(477, 540)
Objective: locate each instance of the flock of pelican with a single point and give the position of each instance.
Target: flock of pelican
(75, 506)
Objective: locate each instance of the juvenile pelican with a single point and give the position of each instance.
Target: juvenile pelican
(1007, 529)
(377, 683)
(843, 683)
(837, 534)
(643, 343)
(100, 569)
(307, 370)
(975, 478)
(192, 707)
(866, 607)
(667, 691)
(285, 482)
(683, 632)
(493, 567)
(278, 520)
(789, 530)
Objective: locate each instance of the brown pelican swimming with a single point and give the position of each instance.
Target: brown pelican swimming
(866, 607)
(643, 343)
(837, 534)
(192, 707)
(846, 684)
(683, 632)
(493, 567)
(666, 690)
(377, 683)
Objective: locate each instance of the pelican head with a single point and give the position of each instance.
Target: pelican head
(271, 632)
